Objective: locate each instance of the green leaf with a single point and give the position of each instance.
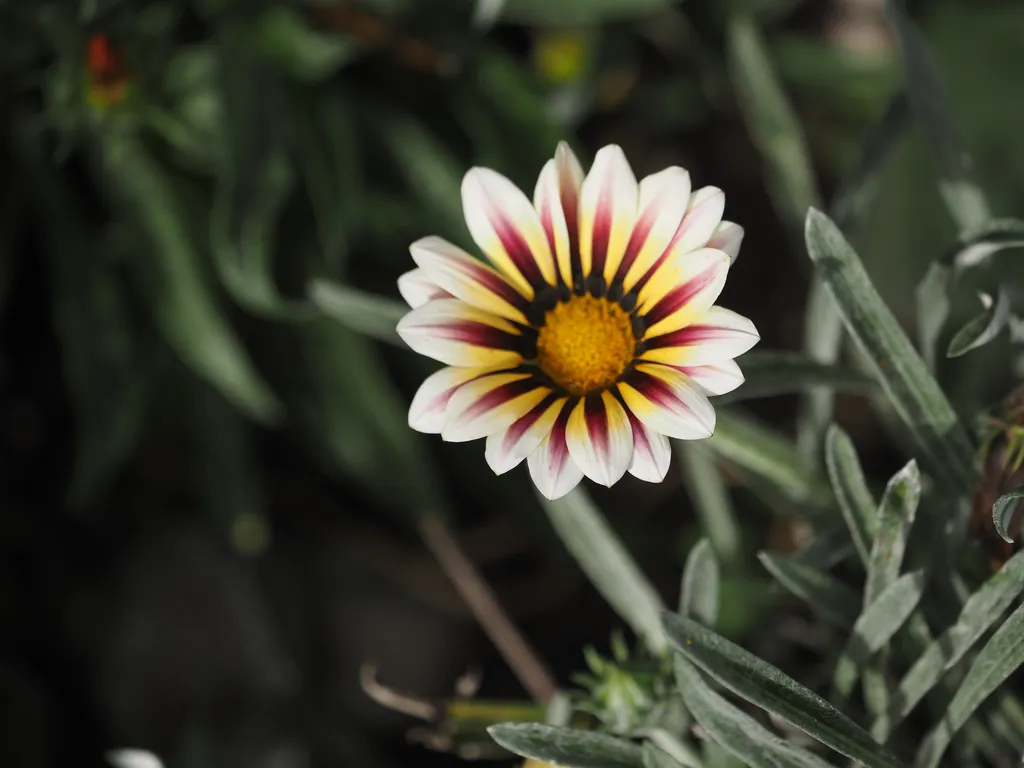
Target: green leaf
(762, 684)
(1004, 509)
(876, 626)
(578, 12)
(964, 198)
(773, 373)
(655, 757)
(832, 600)
(280, 34)
(851, 490)
(895, 519)
(982, 609)
(765, 454)
(997, 660)
(184, 307)
(698, 596)
(980, 243)
(706, 488)
(566, 746)
(982, 328)
(734, 730)
(607, 563)
(932, 303)
(365, 313)
(914, 394)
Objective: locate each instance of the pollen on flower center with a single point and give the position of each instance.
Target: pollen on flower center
(586, 343)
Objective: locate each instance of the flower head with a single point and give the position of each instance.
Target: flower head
(591, 336)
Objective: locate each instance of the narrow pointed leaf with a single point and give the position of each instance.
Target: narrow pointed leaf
(914, 394)
(876, 626)
(365, 313)
(698, 596)
(851, 490)
(895, 518)
(764, 685)
(566, 746)
(655, 757)
(997, 660)
(982, 328)
(608, 564)
(983, 609)
(1004, 509)
(832, 600)
(773, 373)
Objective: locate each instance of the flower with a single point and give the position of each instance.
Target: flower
(591, 336)
(106, 72)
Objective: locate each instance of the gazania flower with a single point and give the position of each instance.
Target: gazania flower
(591, 336)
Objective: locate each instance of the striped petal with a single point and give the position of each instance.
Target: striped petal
(715, 378)
(720, 334)
(551, 467)
(557, 199)
(728, 236)
(426, 413)
(661, 211)
(504, 224)
(683, 290)
(600, 439)
(455, 333)
(651, 452)
(417, 288)
(468, 279)
(490, 404)
(666, 401)
(703, 215)
(608, 205)
(505, 450)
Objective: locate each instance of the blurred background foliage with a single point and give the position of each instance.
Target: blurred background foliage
(211, 499)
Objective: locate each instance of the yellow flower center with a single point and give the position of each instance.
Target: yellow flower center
(585, 343)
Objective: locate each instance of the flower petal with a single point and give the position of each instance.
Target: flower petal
(661, 211)
(455, 333)
(504, 224)
(703, 215)
(557, 199)
(682, 290)
(600, 439)
(728, 236)
(468, 279)
(651, 452)
(505, 450)
(417, 288)
(426, 413)
(608, 203)
(720, 335)
(490, 404)
(715, 378)
(551, 467)
(666, 401)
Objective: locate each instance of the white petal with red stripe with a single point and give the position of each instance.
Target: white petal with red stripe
(715, 378)
(504, 223)
(455, 333)
(551, 467)
(557, 200)
(600, 439)
(703, 215)
(417, 288)
(467, 278)
(506, 449)
(661, 209)
(682, 290)
(490, 404)
(427, 411)
(728, 236)
(651, 452)
(666, 401)
(608, 207)
(720, 334)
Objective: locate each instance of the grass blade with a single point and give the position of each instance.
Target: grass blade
(1004, 509)
(773, 373)
(982, 328)
(832, 600)
(608, 565)
(734, 730)
(851, 490)
(566, 746)
(980, 612)
(915, 395)
(698, 596)
(875, 628)
(996, 661)
(710, 497)
(764, 685)
(895, 518)
(365, 313)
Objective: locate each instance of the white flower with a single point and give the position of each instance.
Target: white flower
(591, 337)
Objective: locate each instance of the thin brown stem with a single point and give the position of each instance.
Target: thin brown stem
(482, 602)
